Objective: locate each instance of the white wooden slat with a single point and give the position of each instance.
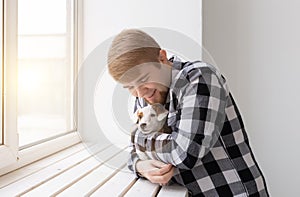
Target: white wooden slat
(144, 188)
(63, 180)
(173, 190)
(74, 172)
(97, 177)
(47, 173)
(38, 165)
(118, 184)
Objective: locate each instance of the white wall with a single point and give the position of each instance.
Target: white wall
(103, 19)
(100, 21)
(257, 45)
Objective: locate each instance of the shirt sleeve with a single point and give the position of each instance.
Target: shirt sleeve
(133, 158)
(200, 114)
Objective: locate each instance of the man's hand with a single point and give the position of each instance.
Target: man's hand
(155, 171)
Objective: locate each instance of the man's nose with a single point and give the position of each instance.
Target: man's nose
(141, 90)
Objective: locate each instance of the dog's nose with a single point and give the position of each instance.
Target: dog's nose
(143, 125)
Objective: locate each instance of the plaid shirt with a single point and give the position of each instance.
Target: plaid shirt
(208, 145)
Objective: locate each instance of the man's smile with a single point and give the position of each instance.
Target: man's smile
(149, 97)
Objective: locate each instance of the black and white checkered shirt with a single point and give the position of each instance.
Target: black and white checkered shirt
(208, 145)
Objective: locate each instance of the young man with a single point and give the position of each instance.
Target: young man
(208, 150)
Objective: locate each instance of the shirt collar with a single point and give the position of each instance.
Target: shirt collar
(177, 63)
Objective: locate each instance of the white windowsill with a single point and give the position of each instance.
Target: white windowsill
(37, 152)
(75, 171)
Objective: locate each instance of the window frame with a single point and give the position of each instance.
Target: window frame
(1, 72)
(12, 157)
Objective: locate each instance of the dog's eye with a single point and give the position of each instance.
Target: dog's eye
(152, 115)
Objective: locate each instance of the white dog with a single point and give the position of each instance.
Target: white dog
(150, 120)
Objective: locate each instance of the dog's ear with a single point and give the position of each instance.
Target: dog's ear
(160, 111)
(161, 116)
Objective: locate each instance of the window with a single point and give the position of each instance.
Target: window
(45, 69)
(38, 68)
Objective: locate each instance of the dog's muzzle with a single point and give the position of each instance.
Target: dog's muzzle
(143, 125)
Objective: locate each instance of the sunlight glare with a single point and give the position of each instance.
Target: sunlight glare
(28, 80)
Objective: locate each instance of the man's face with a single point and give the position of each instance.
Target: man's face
(149, 81)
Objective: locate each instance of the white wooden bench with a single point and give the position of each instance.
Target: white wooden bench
(75, 172)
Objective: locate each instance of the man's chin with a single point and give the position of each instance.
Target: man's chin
(149, 102)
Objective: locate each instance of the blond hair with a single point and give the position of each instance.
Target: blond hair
(129, 48)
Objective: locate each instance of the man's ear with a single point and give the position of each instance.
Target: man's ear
(163, 56)
(160, 111)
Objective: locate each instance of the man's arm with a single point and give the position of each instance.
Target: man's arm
(200, 118)
(154, 170)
